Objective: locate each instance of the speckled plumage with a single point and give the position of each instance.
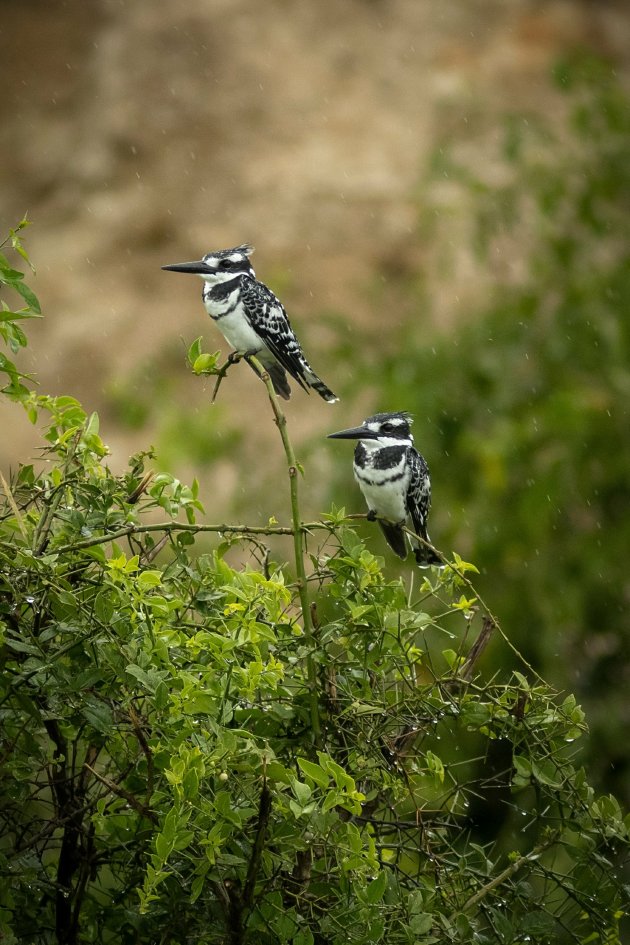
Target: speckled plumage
(252, 319)
(394, 479)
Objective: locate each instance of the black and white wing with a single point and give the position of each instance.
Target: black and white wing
(418, 505)
(269, 319)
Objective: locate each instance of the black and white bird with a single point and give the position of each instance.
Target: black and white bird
(252, 319)
(394, 479)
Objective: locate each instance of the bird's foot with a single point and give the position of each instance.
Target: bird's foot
(371, 515)
(235, 356)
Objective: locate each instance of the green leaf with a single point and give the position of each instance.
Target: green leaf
(314, 771)
(169, 827)
(29, 297)
(163, 847)
(148, 579)
(303, 936)
(332, 799)
(99, 715)
(523, 766)
(547, 773)
(204, 363)
(342, 779)
(376, 890)
(354, 838)
(200, 703)
(421, 923)
(8, 275)
(194, 350)
(8, 316)
(435, 766)
(453, 660)
(302, 792)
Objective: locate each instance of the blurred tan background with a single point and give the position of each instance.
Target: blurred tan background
(141, 133)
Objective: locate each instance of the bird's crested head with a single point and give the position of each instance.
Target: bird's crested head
(381, 429)
(219, 265)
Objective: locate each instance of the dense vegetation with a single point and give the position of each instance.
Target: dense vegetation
(197, 750)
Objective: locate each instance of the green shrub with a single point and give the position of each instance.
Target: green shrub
(202, 751)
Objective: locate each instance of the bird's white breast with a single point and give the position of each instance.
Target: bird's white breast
(385, 490)
(230, 319)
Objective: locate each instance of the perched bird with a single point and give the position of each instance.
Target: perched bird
(252, 319)
(394, 480)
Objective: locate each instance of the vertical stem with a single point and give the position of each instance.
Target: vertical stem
(298, 548)
(46, 520)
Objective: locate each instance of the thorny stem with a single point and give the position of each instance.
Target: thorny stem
(131, 799)
(264, 812)
(133, 528)
(43, 528)
(221, 373)
(507, 873)
(469, 584)
(298, 547)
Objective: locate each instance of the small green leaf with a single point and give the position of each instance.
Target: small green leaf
(303, 937)
(435, 766)
(8, 316)
(523, 766)
(29, 297)
(302, 792)
(99, 715)
(194, 350)
(453, 660)
(204, 363)
(421, 923)
(148, 579)
(163, 846)
(314, 771)
(376, 890)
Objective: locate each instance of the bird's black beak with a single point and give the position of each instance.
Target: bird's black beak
(198, 268)
(354, 433)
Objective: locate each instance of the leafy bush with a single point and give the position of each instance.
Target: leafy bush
(199, 751)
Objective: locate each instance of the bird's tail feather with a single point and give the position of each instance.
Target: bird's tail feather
(318, 385)
(395, 538)
(425, 557)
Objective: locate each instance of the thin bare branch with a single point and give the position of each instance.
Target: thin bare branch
(131, 799)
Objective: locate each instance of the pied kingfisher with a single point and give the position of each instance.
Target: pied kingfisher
(394, 479)
(252, 319)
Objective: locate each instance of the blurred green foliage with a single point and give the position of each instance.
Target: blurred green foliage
(186, 432)
(523, 410)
